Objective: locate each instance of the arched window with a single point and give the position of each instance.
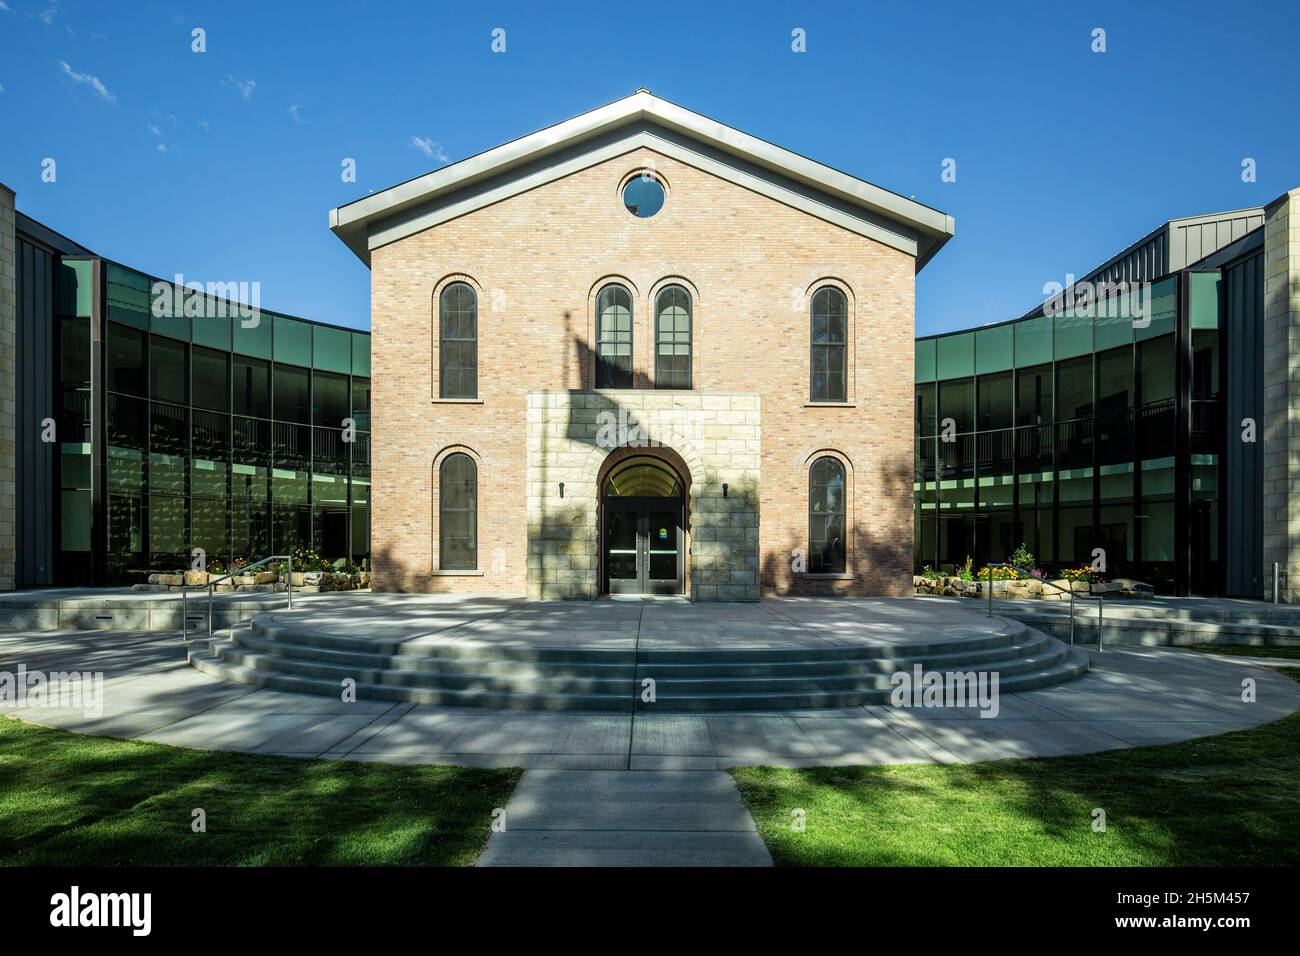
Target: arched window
(458, 513)
(458, 342)
(673, 338)
(614, 337)
(826, 517)
(830, 321)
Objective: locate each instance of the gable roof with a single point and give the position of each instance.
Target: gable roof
(641, 119)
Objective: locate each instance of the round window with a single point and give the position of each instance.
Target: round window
(643, 195)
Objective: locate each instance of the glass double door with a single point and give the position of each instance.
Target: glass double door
(642, 547)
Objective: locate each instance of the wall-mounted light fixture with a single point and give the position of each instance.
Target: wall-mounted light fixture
(724, 489)
(561, 489)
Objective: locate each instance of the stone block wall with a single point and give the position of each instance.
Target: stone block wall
(1282, 394)
(715, 437)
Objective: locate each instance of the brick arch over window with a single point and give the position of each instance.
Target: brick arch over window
(817, 295)
(454, 338)
(437, 512)
(589, 349)
(672, 350)
(810, 532)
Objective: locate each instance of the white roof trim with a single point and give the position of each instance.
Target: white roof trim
(391, 214)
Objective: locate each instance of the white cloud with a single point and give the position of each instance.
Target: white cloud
(245, 87)
(162, 147)
(155, 130)
(5, 8)
(294, 110)
(205, 125)
(87, 79)
(429, 148)
(48, 15)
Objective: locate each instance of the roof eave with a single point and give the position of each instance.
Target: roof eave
(351, 221)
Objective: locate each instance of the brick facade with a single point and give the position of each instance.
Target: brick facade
(537, 261)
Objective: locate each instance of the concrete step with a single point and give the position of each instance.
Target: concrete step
(209, 662)
(752, 662)
(822, 678)
(1151, 631)
(304, 636)
(542, 682)
(1054, 667)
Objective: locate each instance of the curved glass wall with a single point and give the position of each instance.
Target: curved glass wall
(1078, 435)
(242, 436)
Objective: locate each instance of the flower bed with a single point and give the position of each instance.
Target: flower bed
(1033, 589)
(311, 573)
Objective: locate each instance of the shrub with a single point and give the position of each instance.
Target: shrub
(306, 559)
(1022, 558)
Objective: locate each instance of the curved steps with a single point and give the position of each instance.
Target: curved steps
(266, 653)
(1152, 626)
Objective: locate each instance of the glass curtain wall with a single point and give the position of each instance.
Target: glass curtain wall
(241, 438)
(1061, 432)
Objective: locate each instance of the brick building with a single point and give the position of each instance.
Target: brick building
(641, 351)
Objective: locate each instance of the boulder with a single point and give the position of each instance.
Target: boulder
(196, 577)
(1130, 588)
(171, 580)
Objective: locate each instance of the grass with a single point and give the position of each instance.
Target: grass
(1248, 650)
(68, 799)
(1230, 800)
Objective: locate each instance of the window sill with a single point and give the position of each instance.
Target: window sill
(830, 404)
(439, 573)
(836, 576)
(457, 401)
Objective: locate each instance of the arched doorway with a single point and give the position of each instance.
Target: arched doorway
(642, 518)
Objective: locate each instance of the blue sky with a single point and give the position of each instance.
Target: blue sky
(223, 165)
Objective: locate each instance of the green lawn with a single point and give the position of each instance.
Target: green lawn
(1232, 800)
(70, 799)
(1248, 650)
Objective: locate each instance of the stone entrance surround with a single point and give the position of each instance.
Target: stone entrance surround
(714, 437)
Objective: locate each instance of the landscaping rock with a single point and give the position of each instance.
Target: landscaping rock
(196, 577)
(171, 580)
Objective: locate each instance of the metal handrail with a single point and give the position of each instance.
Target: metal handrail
(213, 582)
(1021, 575)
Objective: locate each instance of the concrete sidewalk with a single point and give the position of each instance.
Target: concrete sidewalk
(1132, 697)
(626, 818)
